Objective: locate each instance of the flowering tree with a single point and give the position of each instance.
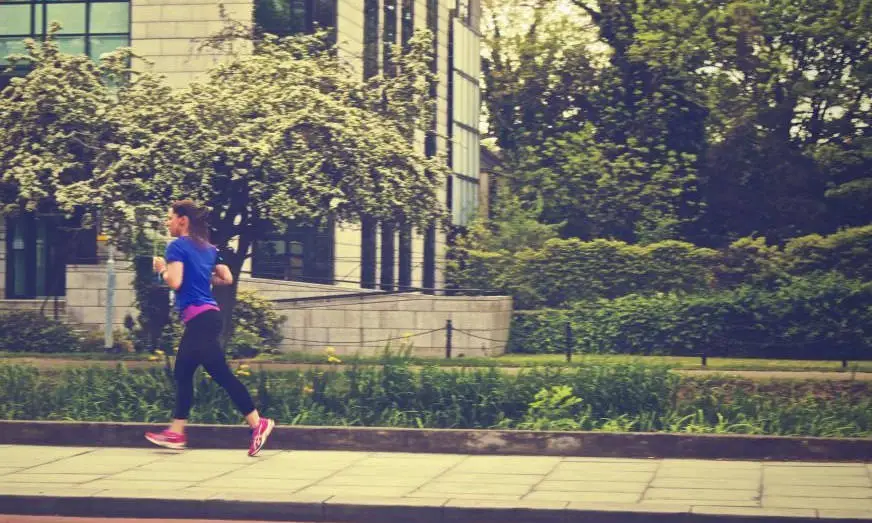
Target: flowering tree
(286, 132)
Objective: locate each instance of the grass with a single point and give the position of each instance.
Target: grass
(619, 397)
(513, 361)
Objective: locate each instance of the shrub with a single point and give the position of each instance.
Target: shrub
(258, 327)
(848, 251)
(816, 317)
(29, 331)
(566, 271)
(597, 397)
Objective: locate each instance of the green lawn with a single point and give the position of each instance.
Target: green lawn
(516, 360)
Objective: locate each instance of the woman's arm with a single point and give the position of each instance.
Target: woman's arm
(222, 275)
(170, 273)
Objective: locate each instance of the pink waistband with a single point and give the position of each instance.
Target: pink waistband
(192, 311)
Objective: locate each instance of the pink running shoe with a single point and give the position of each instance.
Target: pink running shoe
(167, 439)
(259, 435)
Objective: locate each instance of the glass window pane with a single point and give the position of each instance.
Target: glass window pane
(70, 16)
(11, 45)
(110, 17)
(38, 11)
(14, 19)
(107, 44)
(71, 44)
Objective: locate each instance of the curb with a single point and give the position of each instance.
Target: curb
(375, 511)
(495, 442)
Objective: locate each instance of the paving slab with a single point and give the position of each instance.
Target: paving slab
(702, 494)
(430, 488)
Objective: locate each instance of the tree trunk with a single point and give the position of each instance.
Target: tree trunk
(226, 295)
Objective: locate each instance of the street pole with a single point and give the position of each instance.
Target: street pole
(108, 341)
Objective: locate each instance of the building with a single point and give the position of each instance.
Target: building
(166, 32)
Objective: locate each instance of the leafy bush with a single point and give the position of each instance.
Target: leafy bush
(600, 397)
(29, 331)
(848, 251)
(556, 272)
(816, 317)
(258, 328)
(566, 271)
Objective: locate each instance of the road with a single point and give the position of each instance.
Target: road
(57, 519)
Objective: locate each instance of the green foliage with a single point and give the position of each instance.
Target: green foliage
(258, 327)
(749, 260)
(152, 297)
(596, 397)
(26, 331)
(848, 251)
(701, 121)
(286, 133)
(481, 258)
(814, 317)
(257, 330)
(566, 271)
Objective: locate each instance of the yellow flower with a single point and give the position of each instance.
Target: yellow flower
(159, 352)
(333, 359)
(243, 367)
(243, 373)
(308, 390)
(175, 349)
(153, 358)
(330, 351)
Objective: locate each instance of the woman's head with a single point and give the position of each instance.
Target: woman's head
(186, 218)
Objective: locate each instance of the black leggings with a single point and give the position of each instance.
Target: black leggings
(200, 346)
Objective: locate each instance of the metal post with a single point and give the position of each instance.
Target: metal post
(568, 342)
(704, 359)
(448, 328)
(108, 342)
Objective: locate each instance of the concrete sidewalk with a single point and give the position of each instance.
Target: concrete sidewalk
(376, 486)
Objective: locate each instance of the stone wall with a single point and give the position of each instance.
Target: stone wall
(363, 325)
(350, 325)
(86, 295)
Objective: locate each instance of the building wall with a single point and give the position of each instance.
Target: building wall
(169, 34)
(368, 324)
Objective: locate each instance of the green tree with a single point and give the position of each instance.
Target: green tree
(608, 143)
(284, 133)
(787, 84)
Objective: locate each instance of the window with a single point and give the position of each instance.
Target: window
(300, 254)
(390, 35)
(408, 20)
(288, 17)
(91, 27)
(370, 38)
(465, 112)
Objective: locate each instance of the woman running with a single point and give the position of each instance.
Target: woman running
(190, 268)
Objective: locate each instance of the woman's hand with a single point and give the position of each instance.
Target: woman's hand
(159, 264)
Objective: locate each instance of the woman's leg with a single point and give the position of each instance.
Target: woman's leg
(213, 360)
(186, 365)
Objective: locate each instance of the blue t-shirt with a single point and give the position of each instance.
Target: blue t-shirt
(198, 263)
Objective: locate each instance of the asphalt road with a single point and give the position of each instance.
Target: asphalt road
(57, 519)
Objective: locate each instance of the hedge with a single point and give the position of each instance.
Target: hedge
(562, 272)
(29, 331)
(817, 317)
